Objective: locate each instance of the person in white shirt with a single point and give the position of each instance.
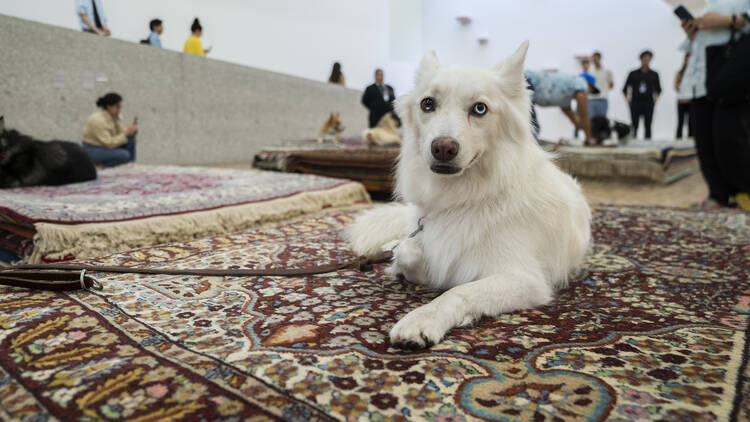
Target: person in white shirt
(598, 104)
(91, 17)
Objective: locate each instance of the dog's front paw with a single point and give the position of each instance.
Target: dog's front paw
(420, 328)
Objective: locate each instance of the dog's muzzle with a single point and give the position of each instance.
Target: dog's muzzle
(444, 150)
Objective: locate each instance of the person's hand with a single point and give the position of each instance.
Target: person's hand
(132, 129)
(106, 32)
(712, 20)
(690, 27)
(677, 81)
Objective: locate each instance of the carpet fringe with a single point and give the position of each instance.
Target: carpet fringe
(61, 241)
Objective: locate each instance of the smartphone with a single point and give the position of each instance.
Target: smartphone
(135, 120)
(683, 13)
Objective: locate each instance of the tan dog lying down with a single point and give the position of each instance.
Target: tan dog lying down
(384, 133)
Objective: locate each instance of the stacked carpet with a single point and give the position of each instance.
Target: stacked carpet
(136, 206)
(661, 162)
(351, 159)
(654, 328)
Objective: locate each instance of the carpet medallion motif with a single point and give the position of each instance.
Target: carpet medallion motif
(653, 328)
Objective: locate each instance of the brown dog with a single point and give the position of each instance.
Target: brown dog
(331, 130)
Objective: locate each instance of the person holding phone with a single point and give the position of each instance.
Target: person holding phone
(193, 45)
(104, 139)
(721, 132)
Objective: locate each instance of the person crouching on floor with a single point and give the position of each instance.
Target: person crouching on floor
(104, 139)
(560, 89)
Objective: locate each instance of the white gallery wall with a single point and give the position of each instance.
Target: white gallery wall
(303, 38)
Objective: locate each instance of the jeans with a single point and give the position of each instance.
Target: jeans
(642, 109)
(111, 157)
(598, 107)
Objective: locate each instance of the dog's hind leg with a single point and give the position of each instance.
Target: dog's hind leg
(408, 261)
(377, 227)
(512, 289)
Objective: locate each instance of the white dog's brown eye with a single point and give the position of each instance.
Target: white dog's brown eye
(427, 105)
(479, 109)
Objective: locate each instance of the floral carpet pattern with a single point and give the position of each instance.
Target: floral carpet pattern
(654, 328)
(138, 191)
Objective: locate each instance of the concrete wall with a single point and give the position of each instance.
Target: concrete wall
(191, 110)
(294, 37)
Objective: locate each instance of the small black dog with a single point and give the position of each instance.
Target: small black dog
(28, 162)
(601, 129)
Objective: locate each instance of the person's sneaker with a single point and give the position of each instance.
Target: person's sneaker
(610, 142)
(743, 201)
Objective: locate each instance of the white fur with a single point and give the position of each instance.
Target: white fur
(501, 234)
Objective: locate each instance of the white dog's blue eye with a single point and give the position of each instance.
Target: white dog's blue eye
(479, 109)
(427, 105)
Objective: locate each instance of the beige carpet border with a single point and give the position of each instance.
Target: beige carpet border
(61, 241)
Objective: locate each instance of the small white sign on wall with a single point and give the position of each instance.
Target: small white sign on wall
(88, 80)
(59, 79)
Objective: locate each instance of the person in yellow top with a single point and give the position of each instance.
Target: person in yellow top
(104, 139)
(193, 44)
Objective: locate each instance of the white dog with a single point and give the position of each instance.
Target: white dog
(502, 225)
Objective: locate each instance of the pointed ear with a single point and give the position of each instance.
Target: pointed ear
(428, 67)
(512, 67)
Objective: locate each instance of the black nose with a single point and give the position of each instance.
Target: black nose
(444, 148)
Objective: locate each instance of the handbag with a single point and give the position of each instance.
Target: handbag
(728, 70)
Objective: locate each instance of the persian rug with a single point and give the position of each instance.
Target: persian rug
(135, 205)
(654, 328)
(352, 159)
(653, 161)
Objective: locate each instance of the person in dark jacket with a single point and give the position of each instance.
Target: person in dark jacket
(641, 91)
(378, 98)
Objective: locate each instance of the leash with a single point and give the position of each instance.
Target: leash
(420, 227)
(67, 277)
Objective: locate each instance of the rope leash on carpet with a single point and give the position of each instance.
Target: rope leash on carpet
(67, 277)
